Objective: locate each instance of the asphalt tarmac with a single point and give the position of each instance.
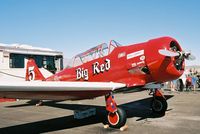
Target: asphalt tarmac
(182, 116)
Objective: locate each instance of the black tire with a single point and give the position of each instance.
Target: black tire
(159, 105)
(122, 118)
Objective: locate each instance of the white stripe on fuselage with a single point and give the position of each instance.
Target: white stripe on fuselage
(135, 54)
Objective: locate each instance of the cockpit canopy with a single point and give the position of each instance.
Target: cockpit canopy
(94, 53)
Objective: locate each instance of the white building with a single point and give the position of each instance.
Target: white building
(13, 60)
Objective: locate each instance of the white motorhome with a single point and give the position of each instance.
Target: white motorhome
(13, 60)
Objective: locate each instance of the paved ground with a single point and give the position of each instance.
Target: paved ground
(182, 117)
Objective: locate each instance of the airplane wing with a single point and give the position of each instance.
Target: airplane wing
(54, 90)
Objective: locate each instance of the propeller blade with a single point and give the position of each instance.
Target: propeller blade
(168, 53)
(190, 57)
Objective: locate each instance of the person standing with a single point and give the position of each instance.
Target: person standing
(194, 80)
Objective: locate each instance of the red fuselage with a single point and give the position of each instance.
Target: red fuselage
(134, 65)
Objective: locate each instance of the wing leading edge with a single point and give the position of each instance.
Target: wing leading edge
(46, 90)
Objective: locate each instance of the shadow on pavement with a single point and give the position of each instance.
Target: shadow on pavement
(139, 108)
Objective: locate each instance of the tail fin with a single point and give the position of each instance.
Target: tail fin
(32, 71)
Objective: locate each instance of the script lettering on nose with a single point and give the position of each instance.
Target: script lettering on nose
(82, 74)
(97, 68)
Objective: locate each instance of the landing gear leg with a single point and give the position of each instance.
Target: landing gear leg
(116, 117)
(159, 104)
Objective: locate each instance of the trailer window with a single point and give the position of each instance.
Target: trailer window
(16, 61)
(51, 63)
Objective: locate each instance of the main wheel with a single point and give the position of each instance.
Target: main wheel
(159, 105)
(117, 119)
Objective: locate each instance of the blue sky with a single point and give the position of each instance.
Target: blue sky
(73, 26)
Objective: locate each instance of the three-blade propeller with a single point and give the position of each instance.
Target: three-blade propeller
(182, 54)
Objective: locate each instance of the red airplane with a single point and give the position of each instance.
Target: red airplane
(104, 70)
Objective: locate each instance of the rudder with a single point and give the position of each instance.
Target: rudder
(33, 72)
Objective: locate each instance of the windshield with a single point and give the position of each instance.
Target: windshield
(94, 53)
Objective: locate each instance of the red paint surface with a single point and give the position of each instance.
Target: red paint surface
(122, 70)
(161, 68)
(6, 100)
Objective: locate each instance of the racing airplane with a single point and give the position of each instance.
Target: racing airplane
(104, 70)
